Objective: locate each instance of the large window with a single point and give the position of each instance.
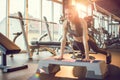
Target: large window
(57, 13)
(43, 9)
(3, 18)
(34, 12)
(47, 12)
(16, 6)
(52, 12)
(32, 9)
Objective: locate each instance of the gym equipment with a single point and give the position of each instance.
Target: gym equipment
(32, 42)
(16, 36)
(112, 43)
(8, 47)
(96, 69)
(20, 18)
(31, 48)
(44, 45)
(48, 30)
(44, 35)
(23, 31)
(49, 46)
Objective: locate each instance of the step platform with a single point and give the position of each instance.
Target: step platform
(95, 70)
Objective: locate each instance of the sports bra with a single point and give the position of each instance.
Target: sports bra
(78, 32)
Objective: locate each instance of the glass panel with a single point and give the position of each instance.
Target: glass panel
(52, 11)
(57, 12)
(47, 9)
(3, 17)
(47, 12)
(14, 25)
(56, 17)
(34, 27)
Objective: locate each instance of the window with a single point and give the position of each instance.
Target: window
(34, 12)
(3, 18)
(14, 24)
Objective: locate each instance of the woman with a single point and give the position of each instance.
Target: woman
(77, 28)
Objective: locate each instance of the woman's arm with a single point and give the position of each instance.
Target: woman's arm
(63, 42)
(85, 38)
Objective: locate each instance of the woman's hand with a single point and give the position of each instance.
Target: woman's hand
(87, 59)
(59, 58)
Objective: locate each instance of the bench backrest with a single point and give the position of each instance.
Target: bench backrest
(10, 46)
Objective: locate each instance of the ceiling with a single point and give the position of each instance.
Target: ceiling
(112, 6)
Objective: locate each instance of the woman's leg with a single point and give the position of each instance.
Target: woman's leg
(92, 44)
(78, 46)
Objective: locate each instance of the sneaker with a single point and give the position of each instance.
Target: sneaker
(108, 58)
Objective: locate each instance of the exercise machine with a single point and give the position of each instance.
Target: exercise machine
(44, 45)
(16, 36)
(8, 47)
(20, 18)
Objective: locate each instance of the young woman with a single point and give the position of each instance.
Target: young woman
(77, 28)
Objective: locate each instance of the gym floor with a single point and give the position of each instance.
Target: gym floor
(63, 74)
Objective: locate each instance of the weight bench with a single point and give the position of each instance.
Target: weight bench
(50, 43)
(47, 45)
(8, 47)
(95, 70)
